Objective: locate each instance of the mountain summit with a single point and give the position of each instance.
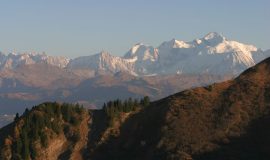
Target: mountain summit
(214, 38)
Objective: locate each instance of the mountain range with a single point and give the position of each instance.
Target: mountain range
(212, 54)
(27, 79)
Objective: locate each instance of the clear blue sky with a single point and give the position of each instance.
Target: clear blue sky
(83, 27)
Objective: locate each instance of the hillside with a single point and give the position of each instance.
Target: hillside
(227, 120)
(48, 131)
(223, 121)
(64, 131)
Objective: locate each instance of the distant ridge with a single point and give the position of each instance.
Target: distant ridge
(212, 54)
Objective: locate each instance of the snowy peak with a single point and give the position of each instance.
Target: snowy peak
(214, 38)
(211, 39)
(136, 47)
(92, 62)
(174, 44)
(141, 52)
(213, 35)
(212, 54)
(104, 55)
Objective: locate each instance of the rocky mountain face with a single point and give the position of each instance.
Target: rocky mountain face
(227, 120)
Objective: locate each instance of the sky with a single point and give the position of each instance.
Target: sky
(74, 28)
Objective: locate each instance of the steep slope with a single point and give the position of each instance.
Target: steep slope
(144, 57)
(64, 131)
(49, 131)
(227, 120)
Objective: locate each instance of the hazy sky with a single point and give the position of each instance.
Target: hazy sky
(84, 27)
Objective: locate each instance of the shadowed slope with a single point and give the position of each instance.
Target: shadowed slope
(204, 120)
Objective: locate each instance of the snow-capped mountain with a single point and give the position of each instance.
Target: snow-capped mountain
(103, 62)
(13, 60)
(143, 57)
(211, 54)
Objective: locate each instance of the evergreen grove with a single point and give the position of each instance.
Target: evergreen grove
(112, 109)
(43, 121)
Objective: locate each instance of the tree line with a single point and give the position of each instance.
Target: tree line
(113, 108)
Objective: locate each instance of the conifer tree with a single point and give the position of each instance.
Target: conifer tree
(17, 117)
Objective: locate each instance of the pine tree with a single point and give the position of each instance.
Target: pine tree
(66, 112)
(125, 107)
(58, 110)
(130, 101)
(145, 101)
(136, 103)
(26, 111)
(17, 117)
